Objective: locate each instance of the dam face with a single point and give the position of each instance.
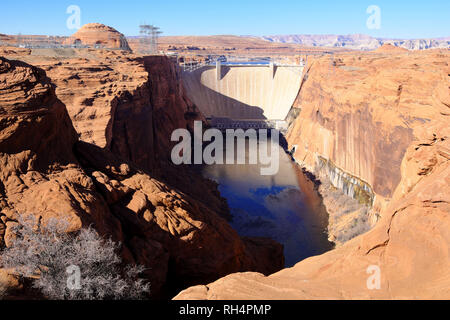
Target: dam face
(244, 92)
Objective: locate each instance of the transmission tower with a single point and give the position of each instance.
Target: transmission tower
(149, 38)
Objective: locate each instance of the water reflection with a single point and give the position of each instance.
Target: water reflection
(284, 207)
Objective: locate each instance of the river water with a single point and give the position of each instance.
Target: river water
(284, 207)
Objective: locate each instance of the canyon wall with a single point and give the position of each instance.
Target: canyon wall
(356, 116)
(360, 112)
(382, 120)
(110, 184)
(129, 105)
(119, 101)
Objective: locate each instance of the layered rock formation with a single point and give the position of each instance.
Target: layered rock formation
(129, 105)
(4, 38)
(360, 112)
(120, 101)
(354, 131)
(381, 121)
(47, 172)
(99, 35)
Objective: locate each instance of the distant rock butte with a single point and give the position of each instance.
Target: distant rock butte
(387, 47)
(96, 34)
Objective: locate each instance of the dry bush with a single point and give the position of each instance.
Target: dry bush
(45, 252)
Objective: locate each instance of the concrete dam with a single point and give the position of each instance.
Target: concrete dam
(244, 92)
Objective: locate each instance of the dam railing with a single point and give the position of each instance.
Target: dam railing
(245, 124)
(192, 66)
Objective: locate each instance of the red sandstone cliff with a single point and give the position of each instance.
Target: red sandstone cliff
(47, 172)
(364, 110)
(129, 105)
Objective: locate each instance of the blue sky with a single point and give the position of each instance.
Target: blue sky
(399, 19)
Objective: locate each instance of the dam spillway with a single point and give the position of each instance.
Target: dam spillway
(244, 92)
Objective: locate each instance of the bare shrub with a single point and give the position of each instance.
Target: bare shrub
(49, 255)
(348, 218)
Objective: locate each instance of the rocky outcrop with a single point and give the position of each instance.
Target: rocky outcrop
(148, 140)
(192, 241)
(92, 85)
(39, 172)
(359, 114)
(98, 35)
(47, 172)
(387, 47)
(125, 103)
(382, 119)
(130, 105)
